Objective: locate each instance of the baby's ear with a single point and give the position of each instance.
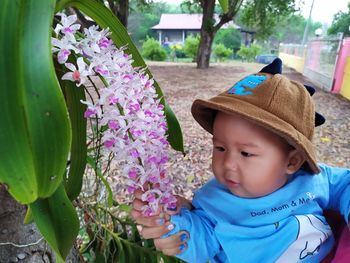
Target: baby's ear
(295, 161)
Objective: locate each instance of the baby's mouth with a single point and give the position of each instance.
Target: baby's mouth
(231, 183)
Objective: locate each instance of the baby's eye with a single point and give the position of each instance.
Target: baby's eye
(245, 154)
(219, 148)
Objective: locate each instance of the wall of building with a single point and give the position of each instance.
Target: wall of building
(344, 54)
(293, 56)
(175, 36)
(292, 61)
(345, 87)
(324, 61)
(321, 60)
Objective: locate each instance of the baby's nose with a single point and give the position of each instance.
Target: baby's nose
(231, 161)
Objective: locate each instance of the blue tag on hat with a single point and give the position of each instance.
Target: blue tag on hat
(251, 81)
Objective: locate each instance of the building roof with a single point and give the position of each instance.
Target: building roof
(185, 21)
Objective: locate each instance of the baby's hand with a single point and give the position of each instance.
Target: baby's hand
(158, 225)
(152, 226)
(172, 245)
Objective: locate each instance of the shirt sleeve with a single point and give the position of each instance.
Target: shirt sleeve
(202, 243)
(339, 189)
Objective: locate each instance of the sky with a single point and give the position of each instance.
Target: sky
(322, 11)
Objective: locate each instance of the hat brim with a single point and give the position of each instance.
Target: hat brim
(204, 112)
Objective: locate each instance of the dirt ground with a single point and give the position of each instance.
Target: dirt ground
(182, 83)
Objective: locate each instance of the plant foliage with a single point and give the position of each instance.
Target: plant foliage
(44, 141)
(249, 53)
(222, 52)
(229, 37)
(264, 15)
(341, 23)
(191, 47)
(151, 49)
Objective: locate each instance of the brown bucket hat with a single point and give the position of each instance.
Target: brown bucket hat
(283, 106)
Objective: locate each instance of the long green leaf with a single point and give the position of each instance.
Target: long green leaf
(105, 18)
(74, 180)
(174, 130)
(224, 5)
(57, 221)
(34, 126)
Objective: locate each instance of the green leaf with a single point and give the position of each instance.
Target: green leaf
(28, 218)
(125, 208)
(76, 109)
(130, 255)
(34, 126)
(100, 258)
(174, 130)
(224, 5)
(121, 252)
(105, 18)
(57, 221)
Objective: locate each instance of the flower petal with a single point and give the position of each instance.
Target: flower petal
(68, 76)
(70, 66)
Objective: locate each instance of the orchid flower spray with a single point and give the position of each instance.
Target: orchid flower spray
(128, 108)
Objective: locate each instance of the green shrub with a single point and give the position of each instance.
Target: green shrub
(151, 49)
(191, 47)
(222, 52)
(180, 53)
(230, 37)
(249, 53)
(179, 50)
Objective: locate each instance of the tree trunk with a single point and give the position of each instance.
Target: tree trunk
(207, 34)
(81, 18)
(204, 51)
(210, 27)
(121, 10)
(20, 242)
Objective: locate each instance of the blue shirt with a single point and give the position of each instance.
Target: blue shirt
(285, 226)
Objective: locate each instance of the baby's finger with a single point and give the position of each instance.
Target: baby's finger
(172, 242)
(135, 214)
(138, 193)
(157, 231)
(136, 211)
(137, 204)
(148, 221)
(175, 251)
(180, 202)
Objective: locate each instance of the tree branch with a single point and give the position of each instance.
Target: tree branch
(234, 6)
(112, 6)
(81, 18)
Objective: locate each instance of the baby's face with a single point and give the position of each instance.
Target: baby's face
(250, 160)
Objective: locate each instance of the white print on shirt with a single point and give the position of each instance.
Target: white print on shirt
(293, 204)
(313, 232)
(310, 195)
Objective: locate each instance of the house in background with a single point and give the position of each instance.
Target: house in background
(174, 28)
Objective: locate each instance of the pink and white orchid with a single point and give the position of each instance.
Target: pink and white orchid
(78, 75)
(67, 26)
(128, 109)
(63, 47)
